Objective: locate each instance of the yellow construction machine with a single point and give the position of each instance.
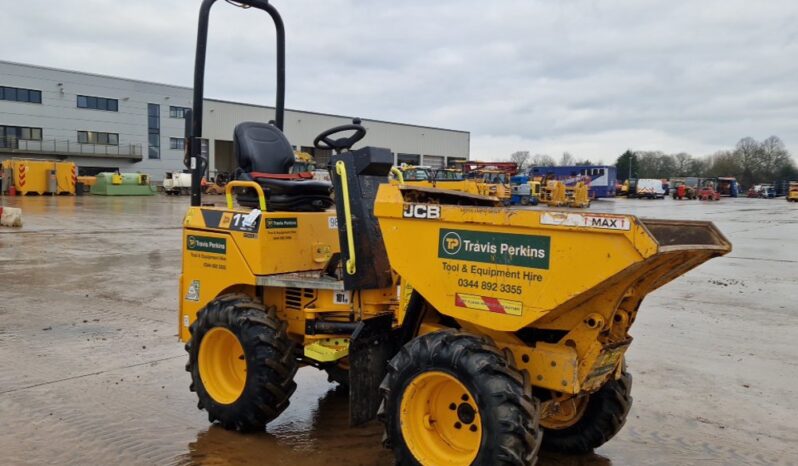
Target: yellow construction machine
(485, 185)
(493, 182)
(556, 194)
(792, 192)
(475, 333)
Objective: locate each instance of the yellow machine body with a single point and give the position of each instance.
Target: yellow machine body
(792, 192)
(496, 271)
(221, 251)
(42, 176)
(554, 194)
(578, 195)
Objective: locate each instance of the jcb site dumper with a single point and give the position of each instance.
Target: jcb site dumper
(475, 333)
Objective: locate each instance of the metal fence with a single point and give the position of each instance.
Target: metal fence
(12, 144)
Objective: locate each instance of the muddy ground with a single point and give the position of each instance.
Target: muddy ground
(91, 371)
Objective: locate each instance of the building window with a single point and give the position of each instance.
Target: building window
(16, 94)
(178, 112)
(177, 143)
(97, 137)
(10, 135)
(21, 132)
(154, 130)
(98, 103)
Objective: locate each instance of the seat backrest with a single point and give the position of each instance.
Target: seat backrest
(261, 147)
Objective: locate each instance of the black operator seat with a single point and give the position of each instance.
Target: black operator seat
(265, 156)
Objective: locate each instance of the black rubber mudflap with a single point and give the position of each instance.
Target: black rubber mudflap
(372, 345)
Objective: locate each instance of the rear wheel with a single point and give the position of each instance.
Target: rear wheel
(453, 398)
(241, 361)
(584, 423)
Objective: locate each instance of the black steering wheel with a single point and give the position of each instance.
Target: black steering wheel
(324, 140)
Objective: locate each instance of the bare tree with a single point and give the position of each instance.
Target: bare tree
(521, 158)
(774, 156)
(682, 161)
(543, 160)
(698, 167)
(566, 160)
(724, 163)
(748, 153)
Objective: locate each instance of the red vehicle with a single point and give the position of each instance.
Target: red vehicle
(708, 193)
(680, 190)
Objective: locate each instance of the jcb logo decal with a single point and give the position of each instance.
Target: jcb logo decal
(421, 211)
(451, 243)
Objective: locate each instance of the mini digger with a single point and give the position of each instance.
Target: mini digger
(475, 333)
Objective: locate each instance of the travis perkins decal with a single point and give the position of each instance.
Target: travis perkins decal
(495, 248)
(206, 244)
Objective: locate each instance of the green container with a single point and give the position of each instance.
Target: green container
(122, 184)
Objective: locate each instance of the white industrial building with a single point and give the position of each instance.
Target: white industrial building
(105, 123)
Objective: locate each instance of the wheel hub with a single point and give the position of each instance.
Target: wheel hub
(466, 413)
(222, 365)
(440, 421)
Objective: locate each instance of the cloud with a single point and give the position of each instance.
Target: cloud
(590, 77)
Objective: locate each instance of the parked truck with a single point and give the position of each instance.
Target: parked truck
(177, 183)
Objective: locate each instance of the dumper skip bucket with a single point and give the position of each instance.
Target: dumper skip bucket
(506, 269)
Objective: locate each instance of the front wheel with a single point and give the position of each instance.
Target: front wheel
(453, 398)
(242, 362)
(588, 422)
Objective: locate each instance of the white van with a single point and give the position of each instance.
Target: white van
(650, 188)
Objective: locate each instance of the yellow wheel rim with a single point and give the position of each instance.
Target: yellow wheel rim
(222, 365)
(440, 420)
(565, 412)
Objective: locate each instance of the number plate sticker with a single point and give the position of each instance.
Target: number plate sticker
(236, 221)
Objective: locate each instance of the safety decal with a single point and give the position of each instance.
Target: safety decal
(485, 303)
(193, 293)
(22, 173)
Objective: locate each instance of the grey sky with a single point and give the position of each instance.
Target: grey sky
(589, 77)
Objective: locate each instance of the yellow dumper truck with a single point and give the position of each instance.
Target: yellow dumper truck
(475, 333)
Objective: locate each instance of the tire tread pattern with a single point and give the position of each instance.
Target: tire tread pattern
(604, 417)
(271, 362)
(510, 415)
